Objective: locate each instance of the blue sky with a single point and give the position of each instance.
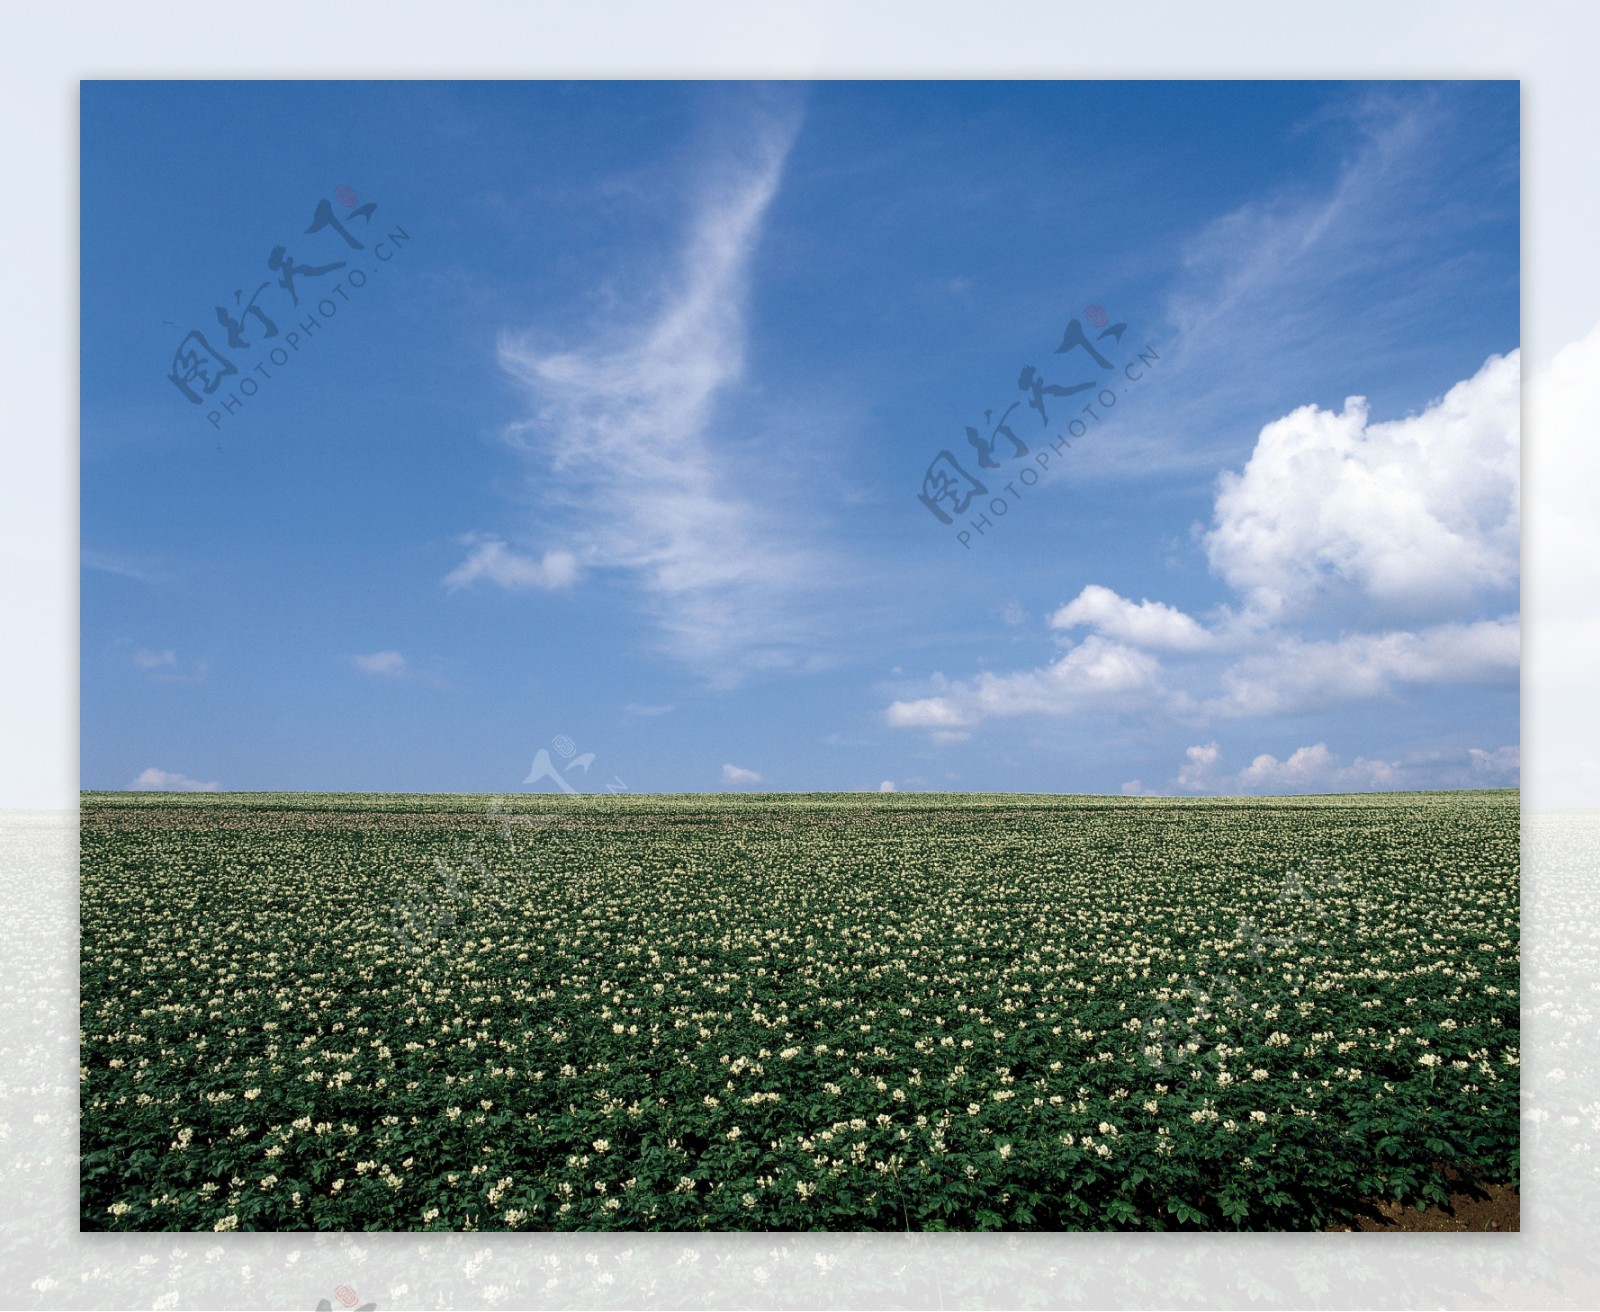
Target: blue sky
(621, 440)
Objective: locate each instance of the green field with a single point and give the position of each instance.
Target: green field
(837, 1011)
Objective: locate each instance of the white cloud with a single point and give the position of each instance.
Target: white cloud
(1500, 764)
(1291, 674)
(164, 781)
(887, 786)
(124, 566)
(626, 422)
(1093, 672)
(1419, 514)
(649, 712)
(1317, 769)
(1148, 624)
(1197, 773)
(493, 560)
(164, 666)
(925, 713)
(733, 774)
(382, 664)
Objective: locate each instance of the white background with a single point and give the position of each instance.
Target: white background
(1551, 47)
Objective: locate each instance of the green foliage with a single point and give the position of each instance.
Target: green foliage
(808, 1012)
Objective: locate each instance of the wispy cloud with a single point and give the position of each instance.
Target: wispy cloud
(164, 666)
(382, 664)
(626, 422)
(167, 781)
(108, 562)
(738, 776)
(636, 710)
(1278, 281)
(1262, 269)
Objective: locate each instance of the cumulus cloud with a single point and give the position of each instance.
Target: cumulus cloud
(925, 713)
(1093, 672)
(887, 786)
(1416, 515)
(1196, 772)
(1315, 767)
(1498, 767)
(1318, 769)
(1148, 624)
(1291, 674)
(494, 561)
(1419, 514)
(627, 423)
(382, 664)
(733, 774)
(166, 781)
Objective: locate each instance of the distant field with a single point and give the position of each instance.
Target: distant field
(395, 1012)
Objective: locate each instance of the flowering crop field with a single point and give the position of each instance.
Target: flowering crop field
(819, 1011)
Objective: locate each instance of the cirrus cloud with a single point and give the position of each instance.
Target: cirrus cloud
(382, 664)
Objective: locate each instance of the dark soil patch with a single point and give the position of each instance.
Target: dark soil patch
(1495, 1208)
